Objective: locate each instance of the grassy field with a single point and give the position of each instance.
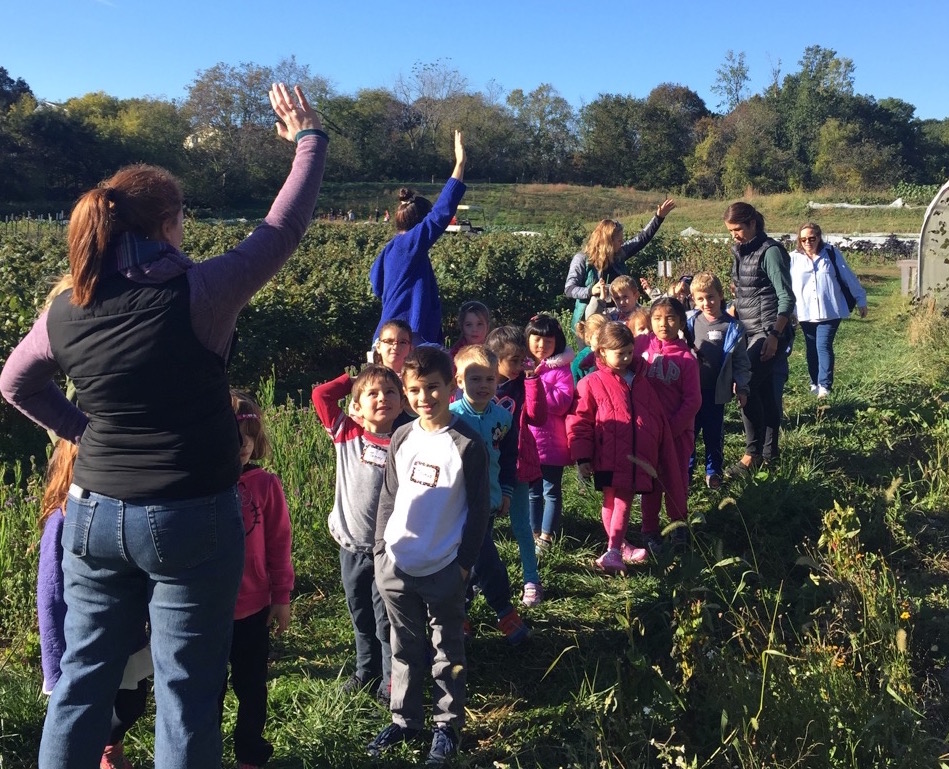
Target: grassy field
(807, 626)
(541, 206)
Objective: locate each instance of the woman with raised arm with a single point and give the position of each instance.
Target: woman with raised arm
(402, 275)
(604, 257)
(153, 526)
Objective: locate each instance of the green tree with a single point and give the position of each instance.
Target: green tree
(547, 123)
(731, 81)
(848, 160)
(11, 90)
(609, 140)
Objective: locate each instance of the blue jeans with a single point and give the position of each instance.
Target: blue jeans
(819, 350)
(521, 529)
(710, 421)
(546, 500)
(175, 563)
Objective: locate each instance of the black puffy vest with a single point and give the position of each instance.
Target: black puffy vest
(755, 298)
(160, 418)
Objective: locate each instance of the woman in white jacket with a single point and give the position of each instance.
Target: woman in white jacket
(825, 290)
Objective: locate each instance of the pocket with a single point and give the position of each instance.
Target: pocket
(188, 532)
(76, 525)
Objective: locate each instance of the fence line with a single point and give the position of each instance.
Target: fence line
(30, 226)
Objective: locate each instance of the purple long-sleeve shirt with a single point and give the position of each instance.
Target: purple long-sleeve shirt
(219, 289)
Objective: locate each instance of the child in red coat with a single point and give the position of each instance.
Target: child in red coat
(619, 435)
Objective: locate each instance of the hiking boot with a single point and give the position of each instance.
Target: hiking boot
(741, 470)
(533, 594)
(513, 628)
(611, 562)
(113, 757)
(445, 742)
(393, 734)
(631, 554)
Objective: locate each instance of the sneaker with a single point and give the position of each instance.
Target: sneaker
(814, 389)
(542, 545)
(632, 554)
(740, 469)
(822, 392)
(445, 742)
(679, 536)
(713, 481)
(353, 684)
(653, 543)
(514, 628)
(393, 734)
(533, 594)
(384, 695)
(611, 562)
(113, 757)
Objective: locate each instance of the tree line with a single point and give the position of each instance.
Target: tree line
(805, 130)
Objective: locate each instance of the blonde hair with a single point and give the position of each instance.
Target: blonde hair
(599, 248)
(64, 283)
(475, 355)
(622, 283)
(587, 329)
(706, 282)
(250, 422)
(640, 314)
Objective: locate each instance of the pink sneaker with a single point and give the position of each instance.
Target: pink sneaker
(632, 554)
(611, 562)
(113, 757)
(533, 594)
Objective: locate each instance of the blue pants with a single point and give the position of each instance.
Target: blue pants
(710, 421)
(521, 528)
(546, 500)
(819, 350)
(177, 563)
(368, 613)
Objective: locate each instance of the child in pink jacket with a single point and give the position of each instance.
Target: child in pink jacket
(264, 596)
(619, 435)
(548, 347)
(674, 373)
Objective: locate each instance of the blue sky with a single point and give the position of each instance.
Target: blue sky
(129, 48)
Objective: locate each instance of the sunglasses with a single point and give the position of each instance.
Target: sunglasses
(811, 239)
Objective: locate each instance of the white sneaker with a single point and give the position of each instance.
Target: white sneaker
(814, 389)
(822, 392)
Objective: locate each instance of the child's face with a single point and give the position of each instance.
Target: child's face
(639, 326)
(474, 328)
(429, 397)
(624, 299)
(709, 302)
(617, 360)
(665, 324)
(379, 403)
(394, 347)
(511, 363)
(479, 384)
(541, 347)
(247, 448)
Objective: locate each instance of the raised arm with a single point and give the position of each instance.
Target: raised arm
(638, 242)
(222, 286)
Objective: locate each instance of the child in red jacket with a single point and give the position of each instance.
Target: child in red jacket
(674, 373)
(619, 435)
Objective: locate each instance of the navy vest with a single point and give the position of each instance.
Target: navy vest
(755, 298)
(160, 418)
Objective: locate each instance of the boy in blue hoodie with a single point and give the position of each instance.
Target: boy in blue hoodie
(476, 373)
(724, 369)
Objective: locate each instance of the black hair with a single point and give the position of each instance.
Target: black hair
(679, 309)
(547, 325)
(429, 359)
(504, 337)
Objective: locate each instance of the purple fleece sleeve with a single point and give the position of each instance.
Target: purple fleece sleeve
(222, 286)
(27, 382)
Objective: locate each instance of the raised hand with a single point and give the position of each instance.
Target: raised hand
(294, 116)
